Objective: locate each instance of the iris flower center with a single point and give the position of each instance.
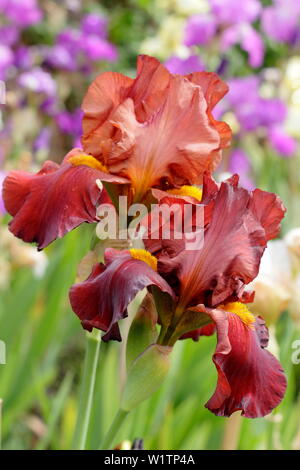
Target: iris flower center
(191, 191)
(241, 311)
(143, 255)
(87, 160)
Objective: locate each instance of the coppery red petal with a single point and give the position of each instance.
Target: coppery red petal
(269, 209)
(249, 378)
(177, 143)
(102, 300)
(157, 126)
(47, 205)
(213, 89)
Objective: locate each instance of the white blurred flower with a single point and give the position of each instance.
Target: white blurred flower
(278, 282)
(168, 40)
(185, 7)
(13, 252)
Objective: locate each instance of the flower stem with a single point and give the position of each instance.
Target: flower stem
(111, 435)
(232, 432)
(0, 424)
(93, 341)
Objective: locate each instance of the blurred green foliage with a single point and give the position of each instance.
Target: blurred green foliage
(39, 384)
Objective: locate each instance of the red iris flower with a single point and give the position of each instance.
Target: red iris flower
(102, 300)
(210, 281)
(156, 130)
(50, 203)
(207, 292)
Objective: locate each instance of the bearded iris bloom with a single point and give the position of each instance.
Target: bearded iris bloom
(207, 294)
(156, 130)
(155, 136)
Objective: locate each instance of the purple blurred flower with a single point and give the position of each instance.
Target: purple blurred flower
(249, 40)
(281, 21)
(94, 24)
(22, 12)
(70, 122)
(60, 57)
(284, 144)
(254, 45)
(49, 106)
(243, 89)
(23, 57)
(39, 81)
(2, 177)
(233, 11)
(96, 48)
(250, 108)
(6, 60)
(184, 66)
(199, 29)
(43, 140)
(240, 163)
(70, 39)
(273, 111)
(9, 35)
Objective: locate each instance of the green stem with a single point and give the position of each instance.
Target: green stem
(112, 433)
(93, 341)
(0, 424)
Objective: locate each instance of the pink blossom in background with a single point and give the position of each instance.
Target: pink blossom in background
(199, 29)
(184, 66)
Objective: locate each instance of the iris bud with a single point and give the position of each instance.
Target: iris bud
(145, 375)
(142, 331)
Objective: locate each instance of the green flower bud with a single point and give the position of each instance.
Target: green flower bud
(142, 331)
(145, 375)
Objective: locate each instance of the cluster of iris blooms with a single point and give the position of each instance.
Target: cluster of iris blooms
(155, 138)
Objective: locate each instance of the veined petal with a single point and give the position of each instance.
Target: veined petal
(110, 89)
(241, 223)
(249, 378)
(102, 300)
(175, 144)
(106, 92)
(213, 89)
(47, 205)
(157, 128)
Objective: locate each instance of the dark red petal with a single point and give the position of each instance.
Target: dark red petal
(47, 205)
(206, 330)
(249, 378)
(238, 224)
(101, 301)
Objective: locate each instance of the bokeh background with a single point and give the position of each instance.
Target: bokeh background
(49, 53)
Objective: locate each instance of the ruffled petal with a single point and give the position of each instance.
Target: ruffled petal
(106, 92)
(177, 144)
(102, 300)
(250, 378)
(109, 90)
(241, 223)
(213, 89)
(157, 129)
(47, 205)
